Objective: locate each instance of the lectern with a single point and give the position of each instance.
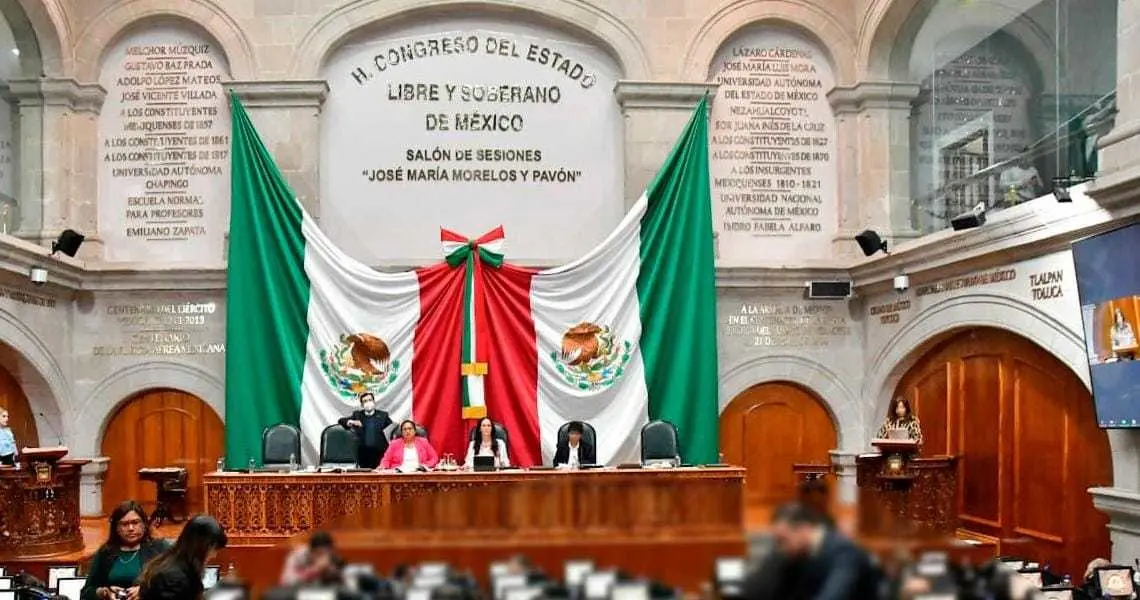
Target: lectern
(39, 516)
(902, 496)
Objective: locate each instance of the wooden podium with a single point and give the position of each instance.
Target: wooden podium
(902, 496)
(39, 516)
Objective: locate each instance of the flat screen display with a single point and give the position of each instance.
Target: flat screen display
(1107, 267)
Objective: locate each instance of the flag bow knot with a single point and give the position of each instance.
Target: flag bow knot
(472, 255)
(458, 250)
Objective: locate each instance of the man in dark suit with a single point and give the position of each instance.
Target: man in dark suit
(369, 424)
(812, 561)
(575, 451)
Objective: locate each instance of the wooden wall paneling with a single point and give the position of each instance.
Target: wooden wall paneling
(160, 428)
(981, 404)
(769, 428)
(21, 416)
(930, 400)
(1025, 428)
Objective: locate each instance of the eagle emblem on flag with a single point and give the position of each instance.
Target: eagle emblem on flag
(590, 357)
(359, 363)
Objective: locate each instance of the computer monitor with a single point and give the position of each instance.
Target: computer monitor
(7, 594)
(504, 582)
(6, 583)
(499, 568)
(484, 463)
(70, 587)
(597, 585)
(316, 594)
(418, 593)
(730, 569)
(432, 569)
(629, 590)
(576, 571)
(1115, 581)
(1065, 594)
(210, 577)
(57, 573)
(529, 592)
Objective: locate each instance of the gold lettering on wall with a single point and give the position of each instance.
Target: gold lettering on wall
(969, 281)
(162, 329)
(1046, 285)
(889, 313)
(787, 325)
(26, 298)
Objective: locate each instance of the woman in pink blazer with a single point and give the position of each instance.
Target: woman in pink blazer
(410, 453)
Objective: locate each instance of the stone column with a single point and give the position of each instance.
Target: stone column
(91, 478)
(654, 115)
(874, 139)
(57, 124)
(287, 116)
(846, 489)
(1120, 148)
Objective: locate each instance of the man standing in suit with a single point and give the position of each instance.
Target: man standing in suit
(575, 451)
(369, 424)
(812, 561)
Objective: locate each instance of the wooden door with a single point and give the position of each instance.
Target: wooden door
(21, 417)
(1025, 428)
(160, 428)
(769, 428)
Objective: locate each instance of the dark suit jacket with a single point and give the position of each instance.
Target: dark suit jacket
(839, 570)
(379, 415)
(178, 581)
(586, 454)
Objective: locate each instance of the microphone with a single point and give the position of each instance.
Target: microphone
(54, 431)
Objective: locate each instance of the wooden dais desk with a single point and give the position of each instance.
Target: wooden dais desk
(39, 510)
(671, 523)
(920, 501)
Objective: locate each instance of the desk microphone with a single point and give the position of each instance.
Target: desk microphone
(58, 437)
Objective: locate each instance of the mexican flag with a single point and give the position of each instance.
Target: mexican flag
(622, 336)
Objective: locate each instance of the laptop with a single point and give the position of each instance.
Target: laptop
(484, 463)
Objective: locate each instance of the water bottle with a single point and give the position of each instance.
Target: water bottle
(292, 462)
(1066, 580)
(252, 465)
(221, 465)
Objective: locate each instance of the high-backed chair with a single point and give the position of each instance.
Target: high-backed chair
(588, 434)
(338, 446)
(278, 442)
(659, 443)
(421, 431)
(498, 430)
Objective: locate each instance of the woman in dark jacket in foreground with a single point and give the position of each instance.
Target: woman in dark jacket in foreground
(177, 573)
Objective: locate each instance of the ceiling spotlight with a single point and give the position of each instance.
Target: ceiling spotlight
(68, 242)
(976, 217)
(870, 243)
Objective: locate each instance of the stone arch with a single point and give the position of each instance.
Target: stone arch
(106, 397)
(910, 342)
(835, 396)
(891, 27)
(40, 375)
(582, 17)
(120, 19)
(808, 20)
(48, 22)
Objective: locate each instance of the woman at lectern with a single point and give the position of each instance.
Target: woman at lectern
(901, 417)
(486, 444)
(1122, 334)
(410, 453)
(7, 441)
(116, 566)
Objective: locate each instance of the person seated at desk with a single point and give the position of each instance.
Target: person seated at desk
(369, 424)
(117, 564)
(575, 451)
(7, 441)
(176, 574)
(901, 417)
(411, 453)
(314, 562)
(486, 444)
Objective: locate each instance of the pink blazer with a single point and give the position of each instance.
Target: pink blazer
(394, 457)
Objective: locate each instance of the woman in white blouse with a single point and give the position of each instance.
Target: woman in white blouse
(486, 444)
